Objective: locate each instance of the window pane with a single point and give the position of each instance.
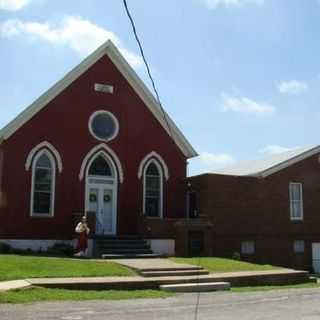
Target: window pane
(152, 207)
(43, 178)
(100, 167)
(298, 246)
(152, 170)
(44, 162)
(42, 203)
(295, 191)
(103, 126)
(247, 247)
(153, 183)
(296, 209)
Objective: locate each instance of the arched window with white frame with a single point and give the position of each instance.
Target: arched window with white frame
(43, 184)
(153, 190)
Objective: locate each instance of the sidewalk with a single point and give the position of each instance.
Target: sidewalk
(273, 277)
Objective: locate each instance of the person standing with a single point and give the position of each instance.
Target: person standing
(83, 231)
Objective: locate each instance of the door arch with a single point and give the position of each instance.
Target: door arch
(101, 192)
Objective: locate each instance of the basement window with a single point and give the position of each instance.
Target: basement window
(298, 246)
(247, 247)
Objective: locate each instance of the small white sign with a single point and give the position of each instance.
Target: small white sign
(103, 88)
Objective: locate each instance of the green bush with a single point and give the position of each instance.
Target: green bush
(61, 249)
(236, 256)
(5, 247)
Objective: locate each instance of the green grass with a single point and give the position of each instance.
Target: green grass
(307, 285)
(21, 267)
(224, 265)
(43, 294)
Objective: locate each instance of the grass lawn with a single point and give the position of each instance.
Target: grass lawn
(213, 264)
(307, 285)
(44, 294)
(21, 267)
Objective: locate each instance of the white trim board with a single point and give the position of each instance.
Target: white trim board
(109, 49)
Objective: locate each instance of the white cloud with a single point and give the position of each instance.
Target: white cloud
(213, 4)
(292, 87)
(275, 149)
(13, 5)
(79, 34)
(246, 105)
(215, 160)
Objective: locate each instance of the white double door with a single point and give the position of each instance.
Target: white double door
(101, 200)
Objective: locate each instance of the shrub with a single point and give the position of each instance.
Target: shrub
(5, 247)
(61, 249)
(236, 256)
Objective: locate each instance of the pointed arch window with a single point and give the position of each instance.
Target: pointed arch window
(43, 185)
(153, 190)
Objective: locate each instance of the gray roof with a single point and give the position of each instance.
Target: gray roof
(271, 164)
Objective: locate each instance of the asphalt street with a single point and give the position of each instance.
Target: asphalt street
(283, 304)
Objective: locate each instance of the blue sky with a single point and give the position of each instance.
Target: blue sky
(241, 78)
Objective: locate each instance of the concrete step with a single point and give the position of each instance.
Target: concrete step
(196, 287)
(191, 268)
(129, 256)
(173, 273)
(122, 242)
(115, 246)
(126, 251)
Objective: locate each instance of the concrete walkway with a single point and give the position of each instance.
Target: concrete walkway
(154, 264)
(14, 284)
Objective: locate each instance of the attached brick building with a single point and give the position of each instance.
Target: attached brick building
(267, 210)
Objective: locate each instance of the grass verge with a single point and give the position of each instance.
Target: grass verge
(43, 294)
(14, 267)
(308, 285)
(214, 264)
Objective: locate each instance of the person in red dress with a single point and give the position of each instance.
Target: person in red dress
(83, 231)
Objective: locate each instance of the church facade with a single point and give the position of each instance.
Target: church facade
(95, 143)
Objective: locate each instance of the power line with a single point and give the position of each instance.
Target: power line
(147, 67)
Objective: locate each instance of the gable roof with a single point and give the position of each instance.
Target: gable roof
(109, 49)
(266, 166)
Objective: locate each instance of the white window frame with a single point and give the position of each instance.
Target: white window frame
(116, 122)
(53, 184)
(291, 201)
(248, 244)
(157, 164)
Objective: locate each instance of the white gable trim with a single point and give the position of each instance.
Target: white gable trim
(287, 163)
(44, 145)
(156, 156)
(97, 149)
(140, 88)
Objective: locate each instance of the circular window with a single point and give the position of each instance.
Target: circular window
(103, 125)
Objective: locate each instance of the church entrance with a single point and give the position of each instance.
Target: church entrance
(101, 194)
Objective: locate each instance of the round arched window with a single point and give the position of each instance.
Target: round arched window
(103, 125)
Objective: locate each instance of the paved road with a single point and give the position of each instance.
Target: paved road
(295, 304)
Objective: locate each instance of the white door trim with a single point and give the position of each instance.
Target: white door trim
(106, 185)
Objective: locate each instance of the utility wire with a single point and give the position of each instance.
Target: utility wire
(147, 67)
